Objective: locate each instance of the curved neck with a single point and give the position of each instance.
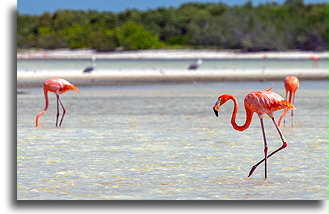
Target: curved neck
(291, 99)
(249, 114)
(46, 98)
(45, 109)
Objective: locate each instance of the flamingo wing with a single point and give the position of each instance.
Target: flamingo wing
(264, 102)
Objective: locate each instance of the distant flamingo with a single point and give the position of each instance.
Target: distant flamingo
(57, 86)
(291, 84)
(262, 103)
(315, 60)
(314, 57)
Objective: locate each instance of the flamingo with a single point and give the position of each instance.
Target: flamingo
(315, 60)
(260, 102)
(291, 84)
(314, 57)
(57, 86)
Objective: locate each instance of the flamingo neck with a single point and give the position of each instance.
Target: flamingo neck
(291, 96)
(46, 98)
(249, 114)
(45, 109)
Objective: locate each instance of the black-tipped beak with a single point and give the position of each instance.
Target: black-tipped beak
(216, 112)
(216, 107)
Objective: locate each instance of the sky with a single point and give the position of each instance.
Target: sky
(36, 7)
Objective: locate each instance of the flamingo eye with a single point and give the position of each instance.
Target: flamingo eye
(222, 101)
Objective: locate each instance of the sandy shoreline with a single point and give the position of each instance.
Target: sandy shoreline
(165, 54)
(91, 80)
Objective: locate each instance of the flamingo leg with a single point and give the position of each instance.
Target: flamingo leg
(57, 115)
(64, 111)
(265, 146)
(292, 112)
(284, 145)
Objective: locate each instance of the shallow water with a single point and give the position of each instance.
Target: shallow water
(164, 142)
(164, 66)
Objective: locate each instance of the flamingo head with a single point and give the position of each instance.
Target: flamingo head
(221, 100)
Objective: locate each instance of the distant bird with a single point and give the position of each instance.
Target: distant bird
(195, 65)
(291, 84)
(260, 102)
(315, 60)
(57, 86)
(90, 68)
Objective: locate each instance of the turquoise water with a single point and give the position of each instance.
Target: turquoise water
(74, 66)
(164, 142)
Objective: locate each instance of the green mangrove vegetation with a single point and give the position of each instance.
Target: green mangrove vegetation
(248, 27)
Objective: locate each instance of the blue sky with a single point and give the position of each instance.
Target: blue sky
(40, 6)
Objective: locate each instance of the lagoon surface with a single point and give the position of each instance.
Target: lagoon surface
(164, 142)
(167, 66)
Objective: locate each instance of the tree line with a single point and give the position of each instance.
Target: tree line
(248, 27)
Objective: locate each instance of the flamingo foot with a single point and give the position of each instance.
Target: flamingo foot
(252, 170)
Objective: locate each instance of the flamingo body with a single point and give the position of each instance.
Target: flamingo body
(314, 58)
(291, 83)
(264, 102)
(57, 86)
(260, 102)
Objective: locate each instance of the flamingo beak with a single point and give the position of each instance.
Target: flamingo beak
(216, 112)
(215, 108)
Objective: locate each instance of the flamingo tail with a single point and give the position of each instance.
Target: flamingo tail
(74, 88)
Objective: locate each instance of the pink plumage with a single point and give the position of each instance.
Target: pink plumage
(260, 102)
(57, 86)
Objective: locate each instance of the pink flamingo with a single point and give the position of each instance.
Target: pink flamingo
(315, 60)
(57, 86)
(314, 57)
(291, 84)
(260, 102)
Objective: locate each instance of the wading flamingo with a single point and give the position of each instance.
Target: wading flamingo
(315, 60)
(262, 103)
(57, 86)
(291, 84)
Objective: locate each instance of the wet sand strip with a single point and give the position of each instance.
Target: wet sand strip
(90, 80)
